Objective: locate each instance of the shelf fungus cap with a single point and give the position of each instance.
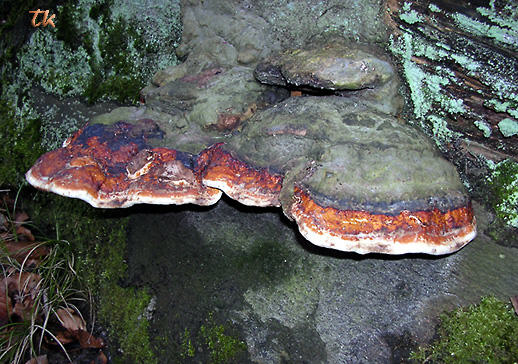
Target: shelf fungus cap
(352, 178)
(381, 200)
(248, 184)
(333, 66)
(112, 166)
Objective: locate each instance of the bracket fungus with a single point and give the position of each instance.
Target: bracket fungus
(349, 174)
(112, 166)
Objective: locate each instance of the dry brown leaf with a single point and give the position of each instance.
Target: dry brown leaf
(19, 250)
(101, 359)
(23, 289)
(21, 217)
(42, 359)
(27, 283)
(70, 320)
(24, 234)
(514, 301)
(5, 303)
(87, 340)
(64, 337)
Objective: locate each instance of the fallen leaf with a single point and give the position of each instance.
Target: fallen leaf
(514, 301)
(42, 359)
(101, 359)
(70, 320)
(87, 340)
(24, 234)
(20, 249)
(5, 303)
(22, 288)
(21, 217)
(64, 337)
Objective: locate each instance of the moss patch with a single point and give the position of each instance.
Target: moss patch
(98, 238)
(20, 145)
(504, 182)
(122, 308)
(222, 347)
(218, 340)
(100, 49)
(483, 333)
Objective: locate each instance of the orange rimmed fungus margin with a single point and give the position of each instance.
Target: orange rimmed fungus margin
(114, 166)
(244, 183)
(431, 232)
(99, 175)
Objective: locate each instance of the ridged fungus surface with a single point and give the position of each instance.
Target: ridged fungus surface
(432, 232)
(112, 166)
(244, 183)
(342, 166)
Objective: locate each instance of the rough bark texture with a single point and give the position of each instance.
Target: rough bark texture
(460, 65)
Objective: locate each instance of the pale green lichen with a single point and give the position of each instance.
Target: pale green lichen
(434, 8)
(510, 107)
(430, 79)
(466, 62)
(508, 127)
(500, 34)
(510, 11)
(484, 126)
(409, 15)
(427, 90)
(442, 134)
(68, 60)
(46, 61)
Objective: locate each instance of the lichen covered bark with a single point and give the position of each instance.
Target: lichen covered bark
(462, 74)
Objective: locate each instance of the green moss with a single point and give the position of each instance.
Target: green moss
(120, 76)
(98, 238)
(223, 348)
(213, 343)
(69, 25)
(20, 146)
(504, 183)
(122, 308)
(187, 348)
(483, 333)
(101, 10)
